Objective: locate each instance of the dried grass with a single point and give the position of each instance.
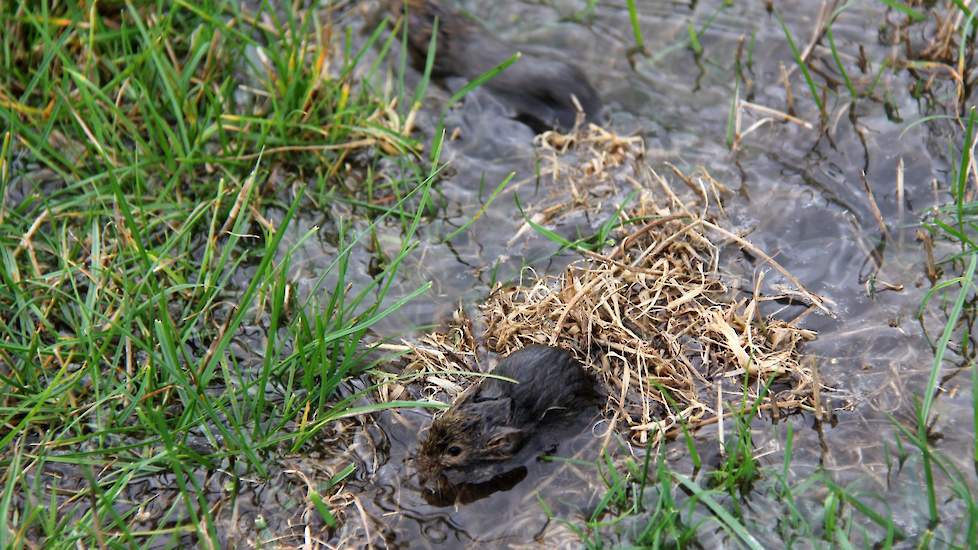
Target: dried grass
(932, 49)
(653, 318)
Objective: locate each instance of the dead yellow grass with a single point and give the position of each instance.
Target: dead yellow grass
(652, 316)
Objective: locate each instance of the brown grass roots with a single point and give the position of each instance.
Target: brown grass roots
(653, 318)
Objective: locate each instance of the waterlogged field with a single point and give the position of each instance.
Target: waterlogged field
(238, 240)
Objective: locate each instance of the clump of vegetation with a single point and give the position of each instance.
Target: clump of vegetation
(154, 350)
(652, 317)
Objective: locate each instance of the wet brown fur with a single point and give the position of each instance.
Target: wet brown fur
(491, 421)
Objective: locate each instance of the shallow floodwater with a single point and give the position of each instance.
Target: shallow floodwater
(799, 195)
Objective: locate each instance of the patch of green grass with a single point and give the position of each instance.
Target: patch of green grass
(649, 504)
(153, 158)
(956, 222)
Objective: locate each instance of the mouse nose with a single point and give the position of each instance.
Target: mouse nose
(429, 485)
(433, 482)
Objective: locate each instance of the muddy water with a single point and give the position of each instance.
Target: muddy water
(800, 195)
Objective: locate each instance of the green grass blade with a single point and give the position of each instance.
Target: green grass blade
(720, 512)
(812, 88)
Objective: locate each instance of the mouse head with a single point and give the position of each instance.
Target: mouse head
(466, 437)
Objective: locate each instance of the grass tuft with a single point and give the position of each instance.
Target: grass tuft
(154, 158)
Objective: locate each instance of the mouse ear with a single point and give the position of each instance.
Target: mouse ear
(504, 442)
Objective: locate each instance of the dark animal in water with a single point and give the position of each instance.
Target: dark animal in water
(491, 421)
(540, 91)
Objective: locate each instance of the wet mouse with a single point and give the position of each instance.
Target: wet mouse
(489, 423)
(537, 89)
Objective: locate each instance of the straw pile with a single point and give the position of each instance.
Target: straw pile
(652, 317)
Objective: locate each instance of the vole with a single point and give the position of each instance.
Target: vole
(492, 420)
(537, 89)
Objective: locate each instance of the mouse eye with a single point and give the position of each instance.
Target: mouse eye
(454, 450)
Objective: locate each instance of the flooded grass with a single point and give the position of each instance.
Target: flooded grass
(167, 380)
(153, 350)
(652, 501)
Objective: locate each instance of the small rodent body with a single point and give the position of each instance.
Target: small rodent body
(538, 90)
(491, 421)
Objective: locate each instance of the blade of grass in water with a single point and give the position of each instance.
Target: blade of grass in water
(923, 120)
(10, 482)
(694, 39)
(721, 513)
(974, 413)
(732, 115)
(812, 88)
(636, 27)
(964, 165)
(482, 210)
(482, 79)
(905, 9)
(877, 518)
(966, 37)
(966, 281)
(961, 6)
(662, 53)
(429, 64)
(838, 64)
